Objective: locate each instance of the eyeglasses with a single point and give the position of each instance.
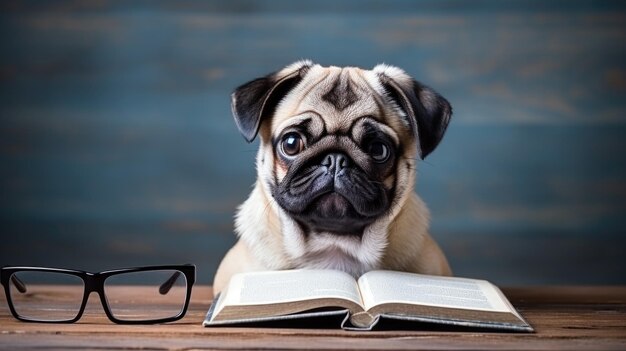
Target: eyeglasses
(142, 295)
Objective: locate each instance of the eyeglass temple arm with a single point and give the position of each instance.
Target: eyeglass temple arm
(21, 287)
(168, 284)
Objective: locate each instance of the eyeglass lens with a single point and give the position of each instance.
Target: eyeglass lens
(146, 295)
(46, 296)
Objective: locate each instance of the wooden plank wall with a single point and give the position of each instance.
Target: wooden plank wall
(117, 146)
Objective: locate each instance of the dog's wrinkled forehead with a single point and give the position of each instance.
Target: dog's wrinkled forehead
(338, 95)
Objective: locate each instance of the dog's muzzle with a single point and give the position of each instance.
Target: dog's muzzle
(332, 194)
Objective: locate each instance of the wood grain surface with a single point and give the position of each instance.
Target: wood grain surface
(564, 317)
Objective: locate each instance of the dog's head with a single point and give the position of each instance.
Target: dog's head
(339, 145)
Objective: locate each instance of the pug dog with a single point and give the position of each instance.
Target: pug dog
(336, 171)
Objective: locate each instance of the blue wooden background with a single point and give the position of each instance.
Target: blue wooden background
(117, 146)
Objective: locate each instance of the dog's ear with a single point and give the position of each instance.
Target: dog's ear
(428, 113)
(256, 100)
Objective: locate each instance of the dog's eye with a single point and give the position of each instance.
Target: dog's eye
(379, 151)
(292, 144)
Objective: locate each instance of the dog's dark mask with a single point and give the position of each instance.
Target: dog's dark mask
(336, 184)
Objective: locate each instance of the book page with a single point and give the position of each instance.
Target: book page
(260, 288)
(382, 287)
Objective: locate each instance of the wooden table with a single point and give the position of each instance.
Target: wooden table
(565, 318)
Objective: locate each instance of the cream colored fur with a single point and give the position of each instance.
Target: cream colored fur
(269, 239)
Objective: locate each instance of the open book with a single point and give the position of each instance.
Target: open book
(254, 298)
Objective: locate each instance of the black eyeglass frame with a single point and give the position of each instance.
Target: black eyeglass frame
(94, 282)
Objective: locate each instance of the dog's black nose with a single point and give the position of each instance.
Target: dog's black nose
(336, 160)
